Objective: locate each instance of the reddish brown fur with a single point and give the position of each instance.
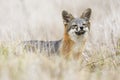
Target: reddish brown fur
(66, 44)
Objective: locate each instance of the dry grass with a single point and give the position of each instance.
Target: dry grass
(35, 66)
(41, 20)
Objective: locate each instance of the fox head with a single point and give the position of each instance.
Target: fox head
(77, 27)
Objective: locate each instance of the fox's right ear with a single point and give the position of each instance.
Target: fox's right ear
(67, 17)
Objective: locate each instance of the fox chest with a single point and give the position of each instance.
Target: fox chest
(77, 48)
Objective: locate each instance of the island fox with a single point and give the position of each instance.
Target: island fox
(76, 31)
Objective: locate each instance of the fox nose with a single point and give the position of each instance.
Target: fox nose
(81, 28)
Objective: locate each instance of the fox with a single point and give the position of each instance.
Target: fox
(76, 32)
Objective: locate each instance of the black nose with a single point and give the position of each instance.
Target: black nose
(81, 28)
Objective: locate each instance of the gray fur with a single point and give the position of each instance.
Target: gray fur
(79, 22)
(49, 47)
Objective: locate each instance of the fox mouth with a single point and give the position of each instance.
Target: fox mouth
(80, 32)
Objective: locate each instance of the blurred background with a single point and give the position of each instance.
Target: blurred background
(42, 20)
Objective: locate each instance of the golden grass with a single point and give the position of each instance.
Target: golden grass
(35, 66)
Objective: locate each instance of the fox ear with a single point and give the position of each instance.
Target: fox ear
(86, 14)
(66, 17)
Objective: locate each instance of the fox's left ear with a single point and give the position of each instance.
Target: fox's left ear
(86, 14)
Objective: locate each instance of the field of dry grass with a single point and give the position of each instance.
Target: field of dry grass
(41, 20)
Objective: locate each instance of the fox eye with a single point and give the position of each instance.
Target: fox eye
(83, 24)
(74, 26)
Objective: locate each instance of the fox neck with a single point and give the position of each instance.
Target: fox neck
(70, 46)
(67, 44)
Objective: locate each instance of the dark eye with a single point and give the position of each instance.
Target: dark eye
(83, 24)
(74, 26)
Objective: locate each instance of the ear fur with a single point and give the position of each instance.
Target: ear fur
(67, 17)
(86, 14)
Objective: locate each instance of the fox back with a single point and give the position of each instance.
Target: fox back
(47, 47)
